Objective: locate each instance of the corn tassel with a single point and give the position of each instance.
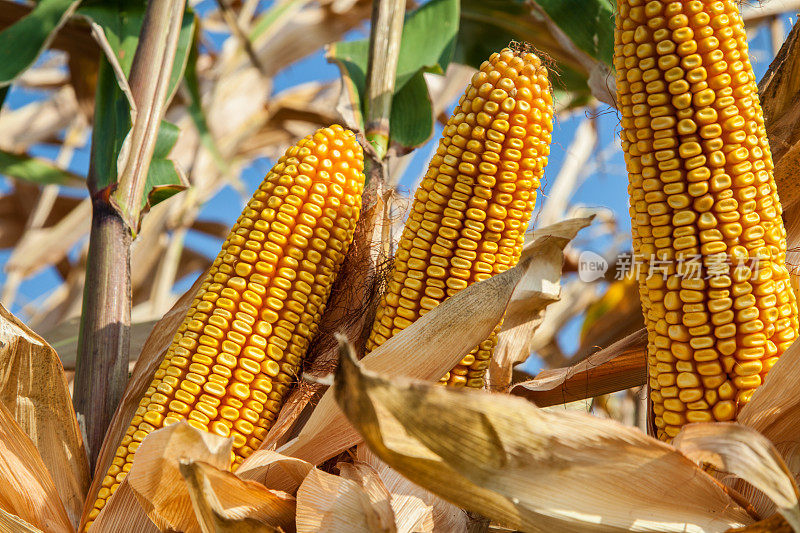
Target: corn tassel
(471, 210)
(701, 190)
(242, 342)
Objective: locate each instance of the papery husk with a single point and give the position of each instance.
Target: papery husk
(262, 464)
(427, 349)
(773, 524)
(525, 311)
(180, 481)
(26, 488)
(368, 479)
(412, 515)
(224, 503)
(156, 480)
(524, 468)
(34, 389)
(413, 503)
(744, 452)
(333, 504)
(621, 366)
(14, 524)
(146, 365)
(122, 510)
(773, 411)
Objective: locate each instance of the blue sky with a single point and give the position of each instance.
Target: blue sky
(605, 188)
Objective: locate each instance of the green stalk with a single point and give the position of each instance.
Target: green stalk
(101, 370)
(384, 52)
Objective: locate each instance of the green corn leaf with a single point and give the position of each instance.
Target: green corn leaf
(22, 42)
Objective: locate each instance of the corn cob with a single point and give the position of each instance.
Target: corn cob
(473, 206)
(247, 330)
(701, 188)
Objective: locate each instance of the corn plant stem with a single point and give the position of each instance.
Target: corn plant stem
(101, 370)
(384, 52)
(149, 82)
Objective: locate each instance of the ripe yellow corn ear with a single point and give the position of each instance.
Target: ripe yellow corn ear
(701, 190)
(242, 342)
(470, 212)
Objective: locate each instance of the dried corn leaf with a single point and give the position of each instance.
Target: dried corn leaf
(38, 121)
(773, 524)
(47, 246)
(621, 366)
(617, 314)
(333, 504)
(263, 462)
(428, 348)
(774, 408)
(415, 508)
(315, 25)
(15, 210)
(146, 366)
(156, 480)
(369, 480)
(746, 453)
(26, 488)
(15, 524)
(34, 389)
(773, 411)
(779, 92)
(121, 510)
(224, 503)
(528, 469)
(535, 292)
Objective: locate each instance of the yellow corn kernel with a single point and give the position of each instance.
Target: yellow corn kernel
(472, 208)
(220, 382)
(702, 189)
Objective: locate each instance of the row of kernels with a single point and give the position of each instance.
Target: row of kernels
(469, 372)
(635, 194)
(214, 344)
(472, 208)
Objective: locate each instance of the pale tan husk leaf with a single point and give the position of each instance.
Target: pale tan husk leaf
(26, 488)
(333, 504)
(528, 469)
(223, 503)
(156, 480)
(744, 452)
(34, 389)
(537, 289)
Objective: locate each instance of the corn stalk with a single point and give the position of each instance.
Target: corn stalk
(104, 338)
(384, 52)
